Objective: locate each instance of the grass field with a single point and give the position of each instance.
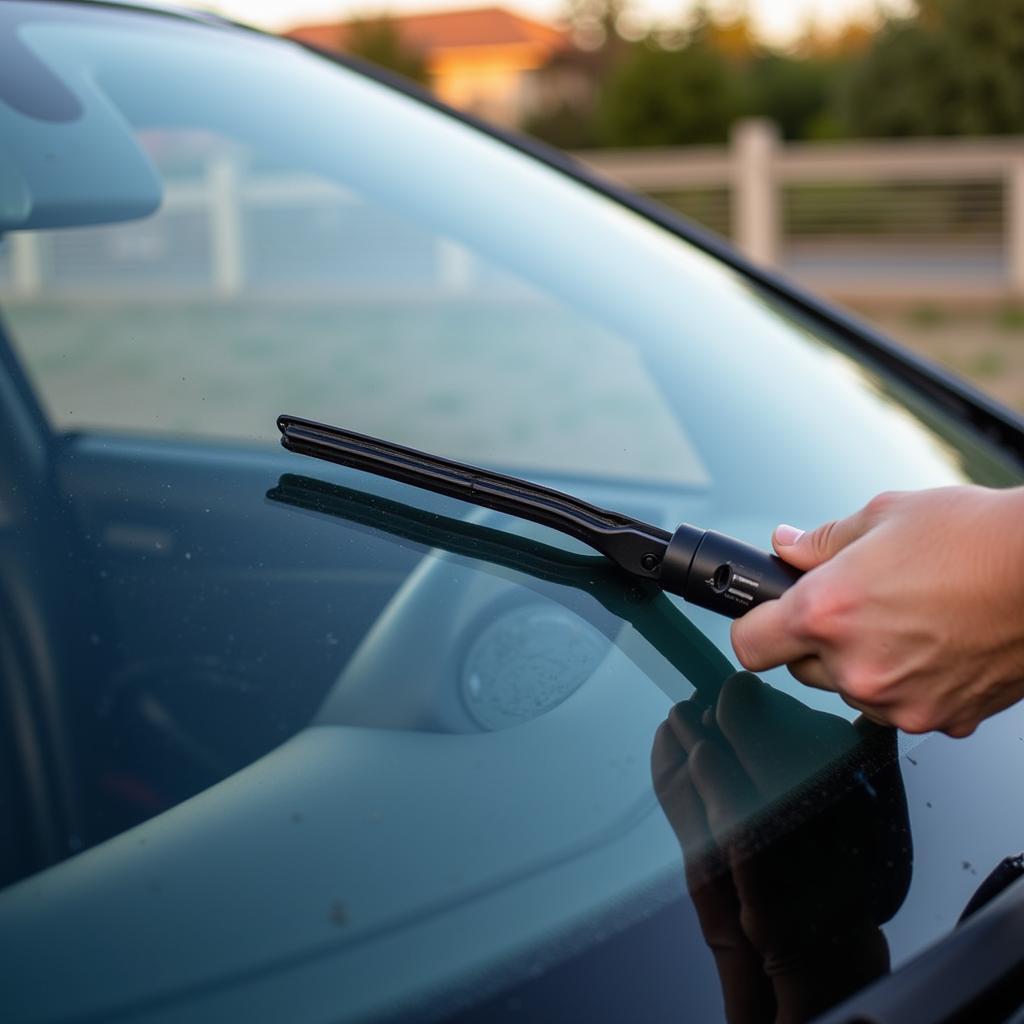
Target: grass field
(480, 382)
(985, 345)
(216, 369)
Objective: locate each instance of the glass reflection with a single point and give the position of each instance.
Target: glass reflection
(796, 840)
(793, 821)
(575, 581)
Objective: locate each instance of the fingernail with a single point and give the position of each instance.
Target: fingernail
(786, 535)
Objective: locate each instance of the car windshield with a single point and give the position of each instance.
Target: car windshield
(287, 741)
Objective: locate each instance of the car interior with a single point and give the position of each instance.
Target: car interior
(231, 671)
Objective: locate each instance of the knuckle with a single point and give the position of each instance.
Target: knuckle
(862, 685)
(752, 924)
(915, 719)
(960, 730)
(819, 610)
(801, 605)
(821, 538)
(744, 647)
(881, 504)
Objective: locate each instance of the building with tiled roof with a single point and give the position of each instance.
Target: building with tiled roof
(484, 60)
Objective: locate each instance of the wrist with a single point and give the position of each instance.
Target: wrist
(1007, 537)
(1011, 505)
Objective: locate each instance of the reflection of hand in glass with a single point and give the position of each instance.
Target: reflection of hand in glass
(793, 823)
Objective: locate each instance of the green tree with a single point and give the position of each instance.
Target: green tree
(565, 124)
(378, 41)
(575, 75)
(955, 68)
(659, 96)
(795, 92)
(593, 24)
(690, 87)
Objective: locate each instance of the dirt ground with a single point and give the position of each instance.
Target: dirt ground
(984, 345)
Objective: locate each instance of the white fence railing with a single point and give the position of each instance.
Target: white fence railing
(907, 218)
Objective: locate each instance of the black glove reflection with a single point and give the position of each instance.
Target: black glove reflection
(794, 827)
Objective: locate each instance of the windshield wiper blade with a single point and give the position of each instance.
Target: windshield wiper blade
(704, 567)
(614, 535)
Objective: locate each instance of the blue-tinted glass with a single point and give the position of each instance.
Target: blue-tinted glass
(312, 769)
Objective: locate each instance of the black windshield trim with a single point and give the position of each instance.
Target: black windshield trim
(974, 974)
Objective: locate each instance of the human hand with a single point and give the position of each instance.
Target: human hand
(912, 609)
(793, 823)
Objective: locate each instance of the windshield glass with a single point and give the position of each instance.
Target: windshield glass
(294, 735)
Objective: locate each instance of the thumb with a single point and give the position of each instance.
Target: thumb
(805, 550)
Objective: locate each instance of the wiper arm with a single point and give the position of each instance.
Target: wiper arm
(616, 536)
(641, 604)
(704, 567)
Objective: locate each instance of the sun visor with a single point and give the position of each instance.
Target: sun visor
(68, 158)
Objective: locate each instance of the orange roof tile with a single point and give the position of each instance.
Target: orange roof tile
(481, 26)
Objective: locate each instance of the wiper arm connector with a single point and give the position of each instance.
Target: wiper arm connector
(704, 567)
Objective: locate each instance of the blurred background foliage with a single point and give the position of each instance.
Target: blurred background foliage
(377, 40)
(951, 67)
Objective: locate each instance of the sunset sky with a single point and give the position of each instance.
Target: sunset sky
(777, 20)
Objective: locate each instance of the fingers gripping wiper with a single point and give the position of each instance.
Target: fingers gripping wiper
(704, 567)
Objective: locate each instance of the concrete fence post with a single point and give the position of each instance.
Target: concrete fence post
(1014, 214)
(755, 204)
(26, 264)
(227, 256)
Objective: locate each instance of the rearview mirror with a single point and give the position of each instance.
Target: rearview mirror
(80, 167)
